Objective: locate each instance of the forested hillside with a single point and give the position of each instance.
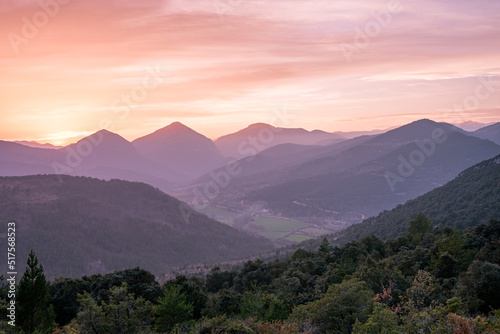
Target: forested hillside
(428, 281)
(81, 226)
(471, 199)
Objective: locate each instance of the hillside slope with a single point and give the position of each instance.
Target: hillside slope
(80, 226)
(470, 199)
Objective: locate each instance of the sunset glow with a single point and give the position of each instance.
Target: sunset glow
(70, 68)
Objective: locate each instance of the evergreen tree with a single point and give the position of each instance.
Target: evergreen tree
(419, 226)
(172, 310)
(34, 312)
(325, 247)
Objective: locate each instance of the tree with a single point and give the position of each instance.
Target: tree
(173, 309)
(381, 320)
(338, 310)
(419, 226)
(479, 287)
(194, 291)
(91, 318)
(64, 298)
(34, 312)
(126, 314)
(123, 314)
(325, 247)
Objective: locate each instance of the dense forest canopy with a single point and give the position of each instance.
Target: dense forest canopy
(428, 281)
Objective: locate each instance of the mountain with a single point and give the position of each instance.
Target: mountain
(36, 144)
(103, 154)
(17, 159)
(472, 198)
(377, 185)
(354, 134)
(260, 136)
(342, 156)
(471, 125)
(80, 226)
(491, 132)
(373, 175)
(181, 149)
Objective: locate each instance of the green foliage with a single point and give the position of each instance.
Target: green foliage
(339, 309)
(123, 314)
(325, 247)
(366, 286)
(471, 199)
(194, 290)
(382, 320)
(479, 287)
(64, 294)
(262, 306)
(419, 226)
(456, 246)
(34, 313)
(173, 309)
(91, 318)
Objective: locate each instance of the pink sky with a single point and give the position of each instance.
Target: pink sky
(220, 65)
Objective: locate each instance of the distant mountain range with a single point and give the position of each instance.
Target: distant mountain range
(80, 226)
(472, 126)
(363, 176)
(316, 175)
(35, 144)
(258, 137)
(491, 132)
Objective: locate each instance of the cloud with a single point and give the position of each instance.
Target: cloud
(244, 54)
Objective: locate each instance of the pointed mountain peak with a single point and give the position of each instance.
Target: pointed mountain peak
(176, 125)
(175, 128)
(105, 135)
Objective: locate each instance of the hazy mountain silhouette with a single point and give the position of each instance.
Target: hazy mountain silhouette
(181, 149)
(36, 144)
(353, 183)
(17, 159)
(344, 155)
(491, 132)
(260, 136)
(103, 154)
(83, 226)
(471, 125)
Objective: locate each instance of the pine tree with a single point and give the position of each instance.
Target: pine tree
(325, 246)
(173, 309)
(34, 312)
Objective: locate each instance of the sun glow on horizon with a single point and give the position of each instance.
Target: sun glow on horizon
(133, 67)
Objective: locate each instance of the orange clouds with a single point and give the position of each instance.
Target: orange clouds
(223, 67)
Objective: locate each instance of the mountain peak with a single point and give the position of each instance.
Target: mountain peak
(176, 128)
(106, 137)
(177, 125)
(257, 126)
(417, 130)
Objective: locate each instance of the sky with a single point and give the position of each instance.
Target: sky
(69, 68)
